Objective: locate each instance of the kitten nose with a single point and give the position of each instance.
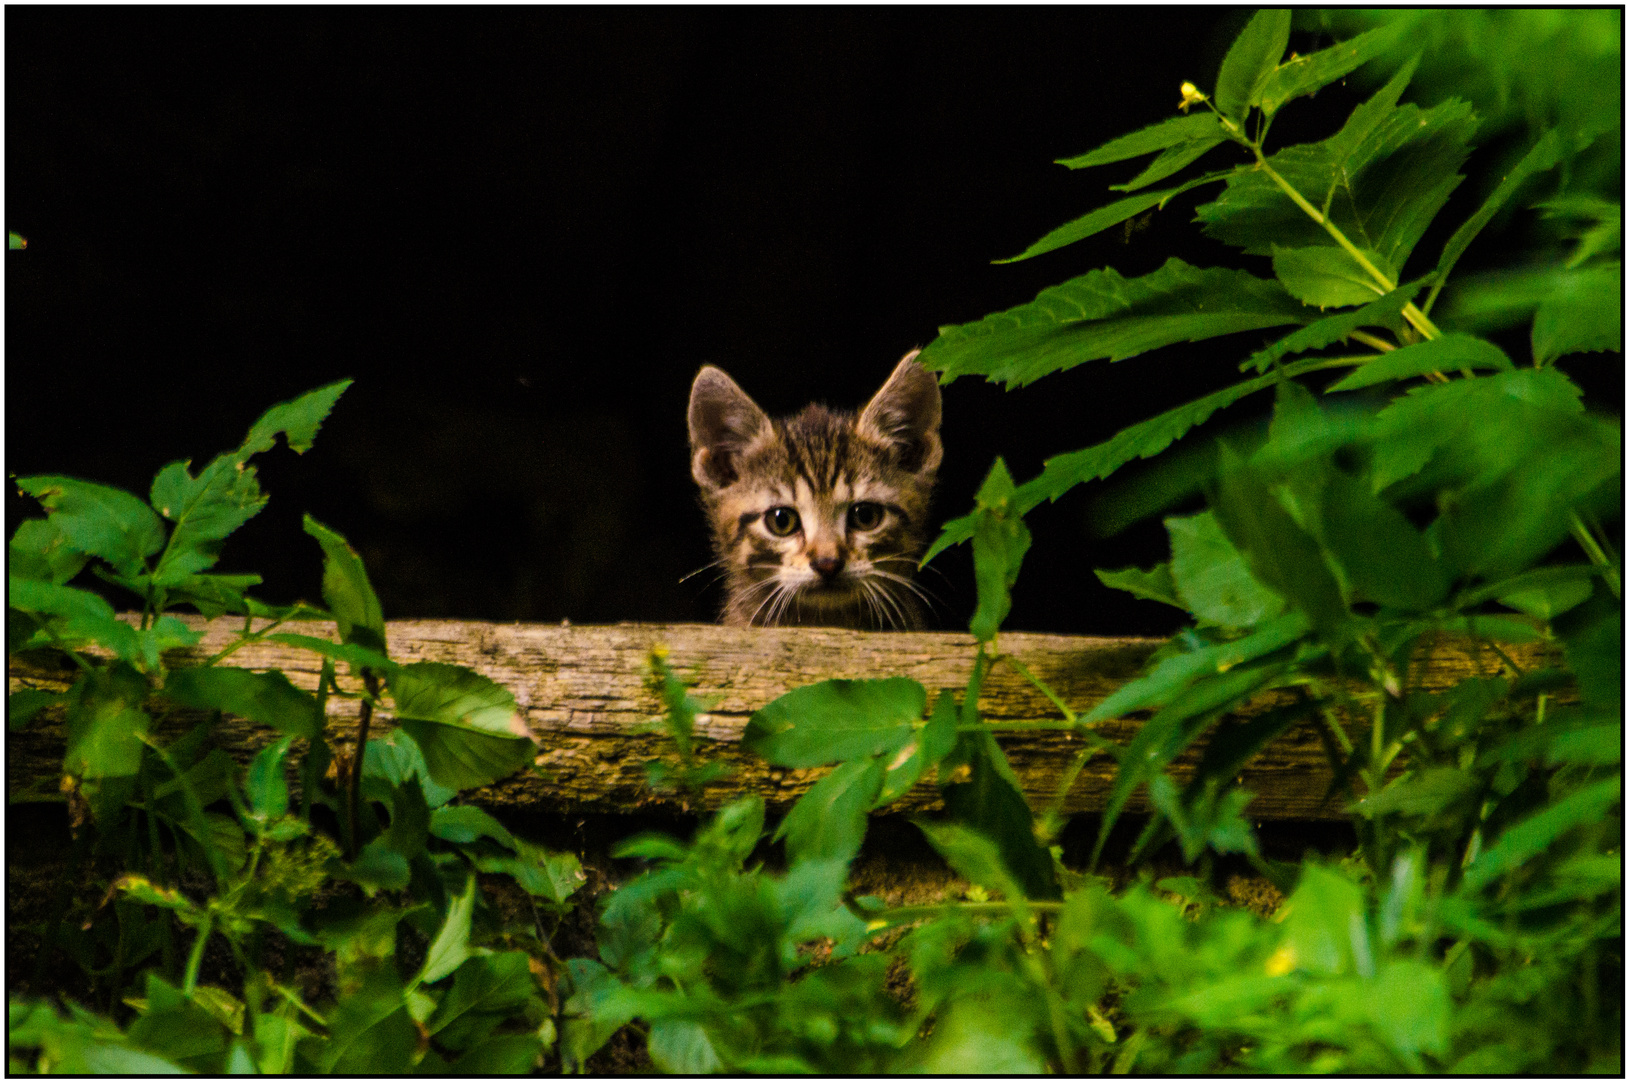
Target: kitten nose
(827, 566)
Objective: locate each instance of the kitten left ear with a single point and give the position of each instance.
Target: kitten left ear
(905, 414)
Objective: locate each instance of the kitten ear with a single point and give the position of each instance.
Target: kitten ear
(905, 414)
(722, 422)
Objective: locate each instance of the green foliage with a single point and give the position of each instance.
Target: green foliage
(1472, 928)
(214, 854)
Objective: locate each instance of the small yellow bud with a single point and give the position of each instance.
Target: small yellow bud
(1190, 96)
(1281, 962)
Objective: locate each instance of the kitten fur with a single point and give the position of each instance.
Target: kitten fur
(817, 519)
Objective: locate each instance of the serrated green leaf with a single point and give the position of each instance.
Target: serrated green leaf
(1380, 555)
(205, 509)
(213, 595)
(370, 1030)
(263, 697)
(828, 821)
(1303, 75)
(466, 726)
(1176, 131)
(1582, 313)
(99, 521)
(106, 723)
(1170, 162)
(836, 720)
(1383, 312)
(83, 614)
(972, 855)
(1548, 152)
(267, 784)
(1103, 315)
(346, 590)
(358, 656)
(39, 550)
(1212, 577)
(298, 420)
(1104, 217)
(1155, 584)
(1449, 352)
(1325, 277)
(499, 984)
(981, 793)
(1250, 62)
(999, 542)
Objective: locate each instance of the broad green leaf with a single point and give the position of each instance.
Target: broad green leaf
(1449, 352)
(1379, 554)
(466, 726)
(23, 705)
(1250, 62)
(369, 1030)
(1174, 132)
(1409, 1007)
(1212, 576)
(84, 615)
(1170, 162)
(346, 590)
(981, 792)
(1601, 235)
(1207, 818)
(1317, 920)
(999, 543)
(499, 983)
(551, 875)
(166, 633)
(101, 521)
(1548, 152)
(828, 821)
(263, 697)
(836, 720)
(500, 1055)
(683, 1047)
(1325, 277)
(1104, 217)
(1103, 315)
(1307, 74)
(466, 824)
(205, 509)
(1382, 312)
(40, 551)
(977, 1036)
(1173, 674)
(1581, 314)
(213, 595)
(1155, 584)
(972, 855)
(1592, 638)
(267, 784)
(298, 420)
(1419, 794)
(1537, 833)
(1546, 601)
(106, 723)
(1498, 299)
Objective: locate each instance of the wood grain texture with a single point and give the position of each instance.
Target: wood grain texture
(584, 691)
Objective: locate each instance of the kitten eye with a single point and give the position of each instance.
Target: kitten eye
(865, 516)
(782, 521)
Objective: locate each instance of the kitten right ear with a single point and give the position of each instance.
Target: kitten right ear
(722, 422)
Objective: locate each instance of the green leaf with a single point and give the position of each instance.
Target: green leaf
(551, 875)
(39, 550)
(213, 595)
(1546, 601)
(106, 723)
(972, 855)
(1325, 277)
(1155, 584)
(1592, 638)
(1250, 62)
(683, 1047)
(1303, 75)
(263, 697)
(1380, 555)
(466, 726)
(1103, 217)
(1410, 1009)
(101, 521)
(1103, 315)
(998, 546)
(1212, 576)
(499, 984)
(1549, 151)
(466, 824)
(1537, 833)
(836, 720)
(267, 784)
(1171, 675)
(981, 792)
(828, 821)
(346, 590)
(370, 1030)
(205, 509)
(1383, 312)
(23, 705)
(84, 615)
(298, 420)
(1317, 921)
(1171, 161)
(358, 656)
(1420, 794)
(1174, 132)
(1449, 352)
(1581, 314)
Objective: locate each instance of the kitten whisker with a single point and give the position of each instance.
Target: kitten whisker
(931, 599)
(883, 594)
(717, 563)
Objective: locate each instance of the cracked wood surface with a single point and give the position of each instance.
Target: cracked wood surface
(584, 692)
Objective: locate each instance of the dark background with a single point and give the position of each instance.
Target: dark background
(522, 231)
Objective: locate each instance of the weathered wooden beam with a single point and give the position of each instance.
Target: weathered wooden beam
(584, 690)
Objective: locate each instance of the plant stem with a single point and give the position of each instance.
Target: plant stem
(195, 960)
(1372, 339)
(353, 797)
(1584, 536)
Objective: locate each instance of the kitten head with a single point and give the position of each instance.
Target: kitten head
(817, 519)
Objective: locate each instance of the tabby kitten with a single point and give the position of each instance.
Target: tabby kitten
(817, 519)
